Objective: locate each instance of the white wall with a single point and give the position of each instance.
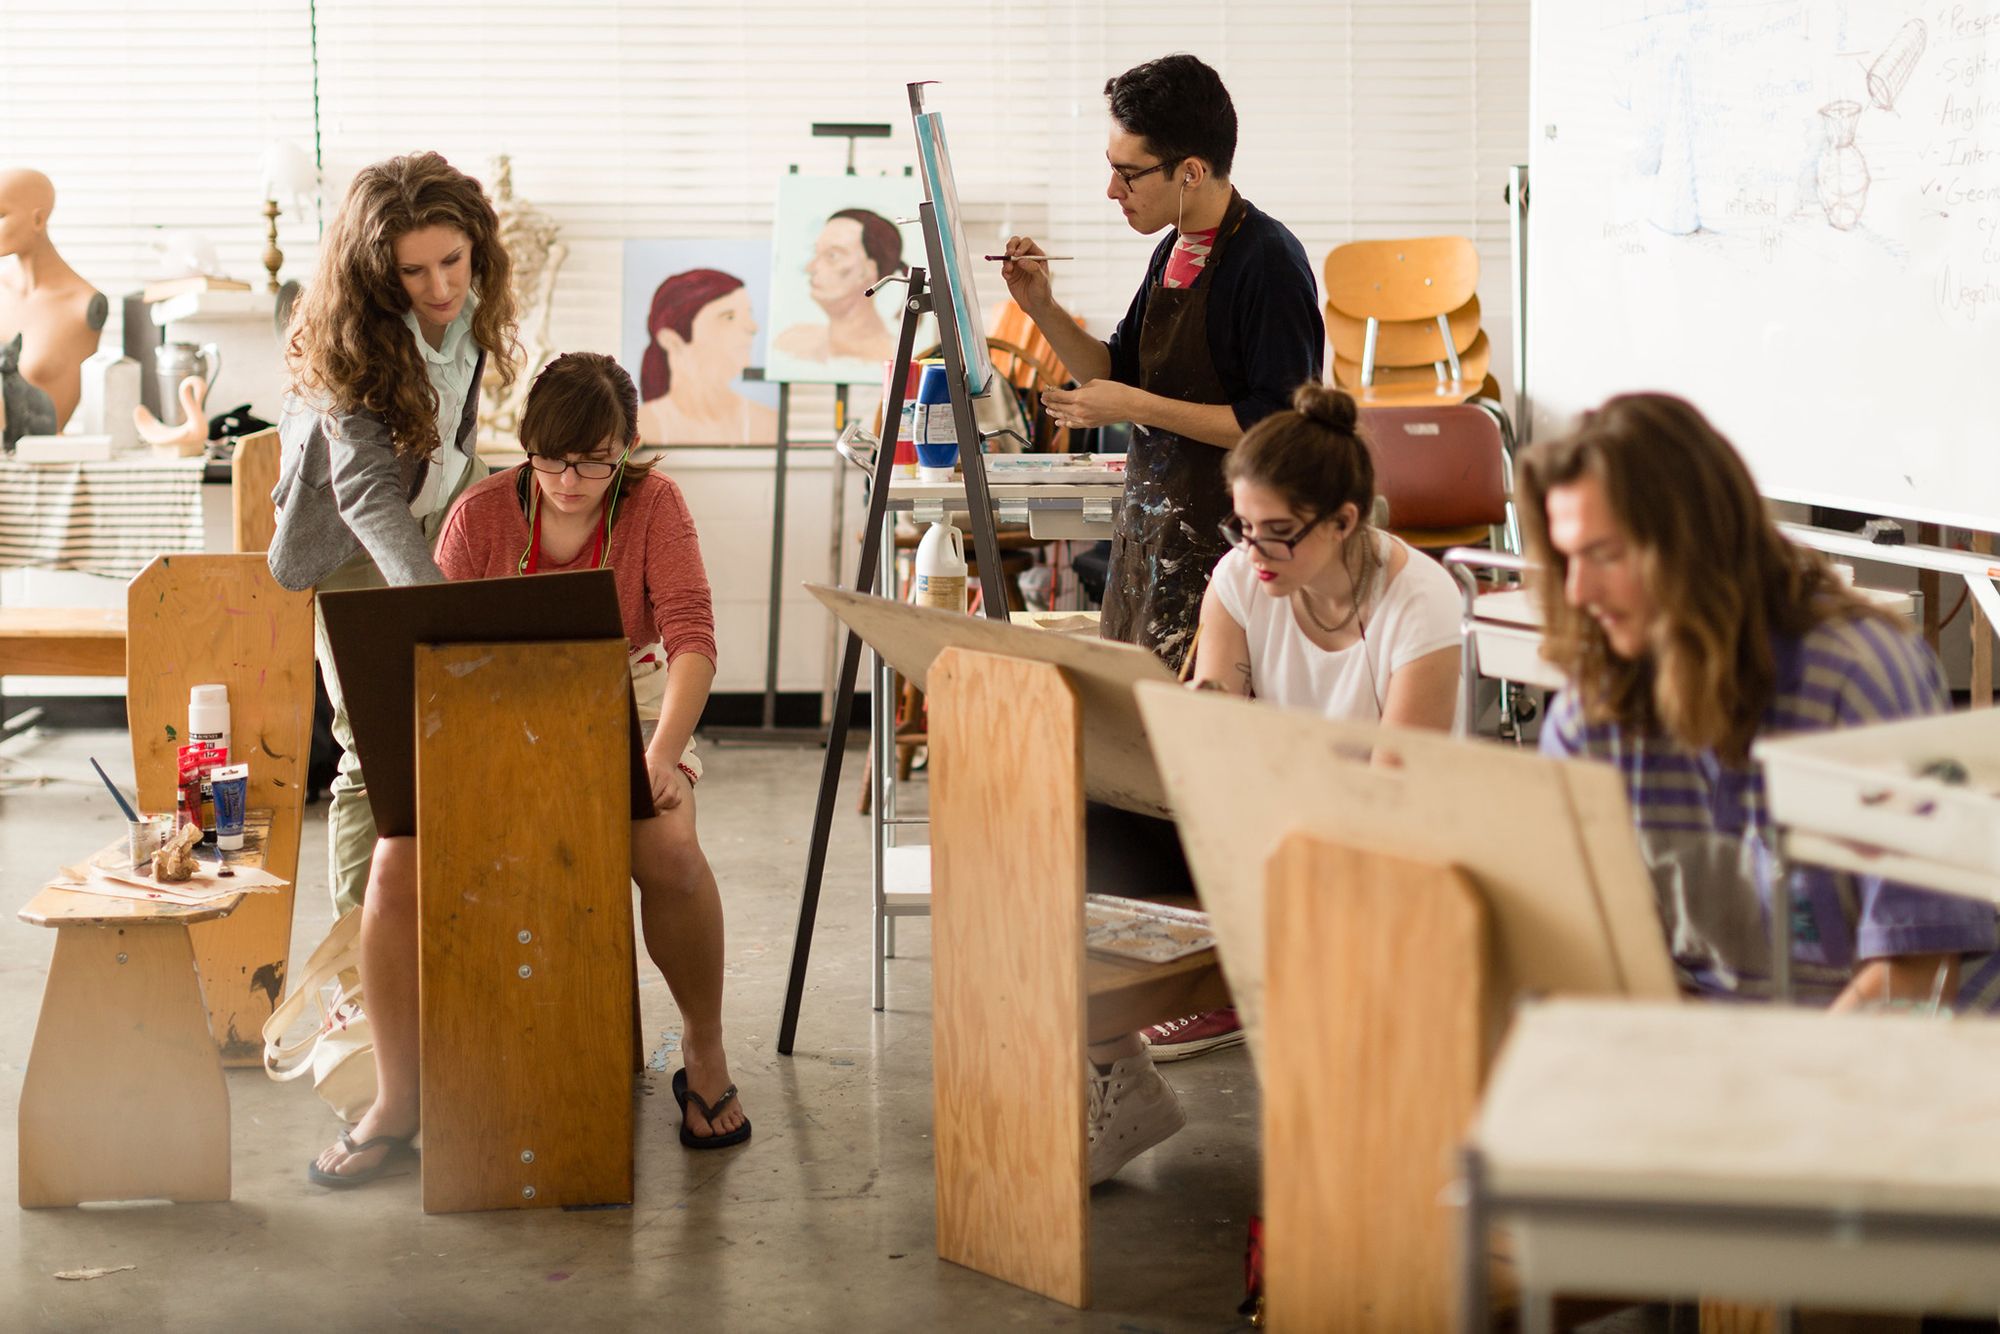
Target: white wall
(634, 118)
(631, 118)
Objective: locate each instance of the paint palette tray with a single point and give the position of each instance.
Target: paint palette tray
(1916, 800)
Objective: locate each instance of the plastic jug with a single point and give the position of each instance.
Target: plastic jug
(941, 568)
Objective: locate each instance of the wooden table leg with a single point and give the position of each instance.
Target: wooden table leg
(124, 1096)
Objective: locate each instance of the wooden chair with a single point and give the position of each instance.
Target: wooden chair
(253, 476)
(223, 618)
(1446, 472)
(1415, 303)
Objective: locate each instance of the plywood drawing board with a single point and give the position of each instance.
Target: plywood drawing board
(374, 633)
(1117, 764)
(1549, 843)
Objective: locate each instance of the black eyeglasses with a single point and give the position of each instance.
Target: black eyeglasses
(1133, 177)
(1270, 548)
(594, 469)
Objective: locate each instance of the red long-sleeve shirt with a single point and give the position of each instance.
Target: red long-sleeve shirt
(655, 557)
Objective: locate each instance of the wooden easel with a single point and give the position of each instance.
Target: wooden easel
(1378, 987)
(1016, 999)
(921, 298)
(524, 830)
(1378, 912)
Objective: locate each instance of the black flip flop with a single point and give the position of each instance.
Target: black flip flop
(339, 1181)
(689, 1140)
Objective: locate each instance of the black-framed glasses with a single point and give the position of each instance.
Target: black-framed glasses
(1270, 548)
(1132, 178)
(595, 470)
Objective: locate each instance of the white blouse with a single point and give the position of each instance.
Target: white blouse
(1416, 614)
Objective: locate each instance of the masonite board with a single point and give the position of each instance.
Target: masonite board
(374, 633)
(1571, 904)
(1785, 211)
(1117, 764)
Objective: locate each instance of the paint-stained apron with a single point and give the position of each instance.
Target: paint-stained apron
(1165, 542)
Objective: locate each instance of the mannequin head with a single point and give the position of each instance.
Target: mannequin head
(26, 199)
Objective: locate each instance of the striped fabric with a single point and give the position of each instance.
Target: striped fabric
(1706, 832)
(100, 518)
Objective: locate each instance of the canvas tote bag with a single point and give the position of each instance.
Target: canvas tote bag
(340, 1052)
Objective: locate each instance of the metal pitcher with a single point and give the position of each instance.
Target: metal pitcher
(174, 362)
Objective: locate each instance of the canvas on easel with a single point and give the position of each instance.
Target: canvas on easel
(1549, 843)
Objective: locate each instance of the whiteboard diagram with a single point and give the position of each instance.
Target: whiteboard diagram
(1789, 212)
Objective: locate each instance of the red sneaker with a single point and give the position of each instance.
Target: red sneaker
(1178, 1039)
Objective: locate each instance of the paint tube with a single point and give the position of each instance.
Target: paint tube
(195, 762)
(231, 788)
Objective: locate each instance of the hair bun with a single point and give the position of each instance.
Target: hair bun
(1331, 407)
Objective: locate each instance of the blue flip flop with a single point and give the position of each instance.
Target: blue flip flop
(340, 1181)
(685, 1095)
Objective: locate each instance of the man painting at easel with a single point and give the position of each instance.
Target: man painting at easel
(1225, 326)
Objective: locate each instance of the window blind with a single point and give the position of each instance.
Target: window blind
(631, 118)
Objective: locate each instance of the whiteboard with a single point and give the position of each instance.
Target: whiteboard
(1787, 211)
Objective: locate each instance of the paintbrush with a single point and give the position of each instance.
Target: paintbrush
(116, 795)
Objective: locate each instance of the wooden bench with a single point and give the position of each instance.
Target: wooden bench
(124, 1098)
(90, 641)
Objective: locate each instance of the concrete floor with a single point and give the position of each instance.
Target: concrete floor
(823, 1222)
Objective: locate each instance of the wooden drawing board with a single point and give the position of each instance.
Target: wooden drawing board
(374, 633)
(1549, 843)
(1117, 764)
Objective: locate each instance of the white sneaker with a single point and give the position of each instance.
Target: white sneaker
(1131, 1109)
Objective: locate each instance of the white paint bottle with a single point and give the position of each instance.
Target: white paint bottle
(941, 568)
(208, 715)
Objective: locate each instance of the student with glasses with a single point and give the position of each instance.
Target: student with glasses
(1224, 326)
(580, 501)
(1312, 608)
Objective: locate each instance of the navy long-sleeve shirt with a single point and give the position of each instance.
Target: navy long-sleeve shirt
(1265, 331)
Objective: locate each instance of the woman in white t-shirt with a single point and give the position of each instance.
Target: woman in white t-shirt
(1314, 607)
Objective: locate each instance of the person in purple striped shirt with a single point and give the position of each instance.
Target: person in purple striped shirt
(1690, 628)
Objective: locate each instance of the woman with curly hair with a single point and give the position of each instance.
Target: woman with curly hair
(409, 310)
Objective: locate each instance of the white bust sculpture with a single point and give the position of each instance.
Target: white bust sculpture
(56, 314)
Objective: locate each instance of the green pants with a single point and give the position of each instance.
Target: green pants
(350, 821)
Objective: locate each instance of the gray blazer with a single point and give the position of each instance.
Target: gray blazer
(342, 488)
